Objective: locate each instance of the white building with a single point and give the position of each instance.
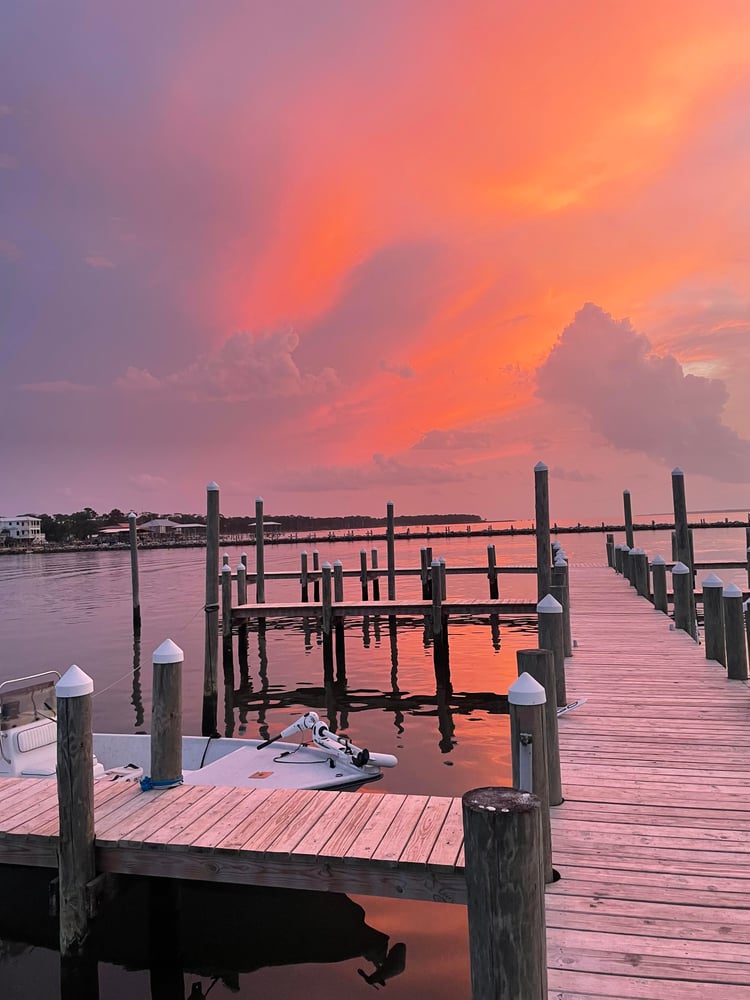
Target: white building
(27, 530)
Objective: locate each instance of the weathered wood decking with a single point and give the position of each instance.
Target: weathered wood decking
(652, 841)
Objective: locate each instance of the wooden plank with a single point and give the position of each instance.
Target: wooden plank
(398, 833)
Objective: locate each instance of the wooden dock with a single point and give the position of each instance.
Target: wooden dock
(652, 841)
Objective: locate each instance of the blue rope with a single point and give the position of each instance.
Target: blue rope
(147, 783)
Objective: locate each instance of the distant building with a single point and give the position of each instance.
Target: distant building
(162, 526)
(23, 530)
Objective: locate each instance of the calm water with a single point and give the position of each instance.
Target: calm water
(75, 608)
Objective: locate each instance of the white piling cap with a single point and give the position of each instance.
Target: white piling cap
(637, 552)
(549, 606)
(241, 568)
(625, 548)
(338, 563)
(540, 467)
(259, 499)
(658, 561)
(212, 487)
(389, 503)
(435, 563)
(74, 683)
(626, 492)
(526, 691)
(680, 569)
(327, 565)
(732, 590)
(677, 471)
(168, 652)
(226, 568)
(560, 559)
(132, 514)
(712, 580)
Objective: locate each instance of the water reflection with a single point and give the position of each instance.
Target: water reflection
(190, 936)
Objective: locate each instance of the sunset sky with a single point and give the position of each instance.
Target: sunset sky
(338, 253)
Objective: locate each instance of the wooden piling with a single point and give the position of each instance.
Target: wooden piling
(659, 580)
(550, 624)
(528, 743)
(363, 574)
(326, 617)
(316, 581)
(241, 583)
(713, 619)
(611, 551)
(133, 534)
(375, 580)
(628, 519)
(640, 573)
(682, 585)
(75, 790)
(492, 572)
(443, 578)
(681, 530)
(505, 890)
(627, 565)
(424, 574)
(437, 598)
(541, 515)
(618, 559)
(540, 664)
(391, 545)
(734, 633)
(260, 564)
(211, 607)
(561, 579)
(226, 620)
(338, 622)
(166, 712)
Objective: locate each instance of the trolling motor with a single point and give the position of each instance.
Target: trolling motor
(340, 747)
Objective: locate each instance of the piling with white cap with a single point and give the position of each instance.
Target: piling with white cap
(550, 625)
(659, 578)
(734, 633)
(260, 571)
(713, 619)
(166, 716)
(541, 515)
(684, 609)
(211, 607)
(75, 790)
(540, 664)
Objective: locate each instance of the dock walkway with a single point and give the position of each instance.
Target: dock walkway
(652, 841)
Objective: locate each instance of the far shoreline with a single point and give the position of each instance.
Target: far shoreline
(370, 535)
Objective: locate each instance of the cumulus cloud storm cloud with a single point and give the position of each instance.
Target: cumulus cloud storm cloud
(640, 401)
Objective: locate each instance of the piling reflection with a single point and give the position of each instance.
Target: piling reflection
(192, 935)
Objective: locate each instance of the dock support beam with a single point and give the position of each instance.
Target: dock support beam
(505, 889)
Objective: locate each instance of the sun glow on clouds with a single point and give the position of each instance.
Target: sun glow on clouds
(362, 229)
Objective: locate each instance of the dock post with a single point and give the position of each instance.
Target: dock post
(681, 531)
(550, 624)
(528, 747)
(391, 542)
(640, 573)
(338, 621)
(713, 619)
(505, 890)
(628, 519)
(327, 615)
(363, 574)
(561, 579)
(241, 583)
(682, 585)
(659, 575)
(303, 578)
(226, 619)
(424, 573)
(541, 514)
(133, 534)
(492, 572)
(734, 631)
(375, 579)
(618, 559)
(747, 555)
(611, 551)
(540, 664)
(260, 569)
(627, 565)
(75, 791)
(316, 581)
(437, 599)
(166, 713)
(210, 683)
(443, 579)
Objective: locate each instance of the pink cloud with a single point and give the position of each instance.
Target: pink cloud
(99, 262)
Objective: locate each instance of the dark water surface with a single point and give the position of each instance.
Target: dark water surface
(76, 608)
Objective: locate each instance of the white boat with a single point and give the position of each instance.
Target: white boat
(28, 748)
